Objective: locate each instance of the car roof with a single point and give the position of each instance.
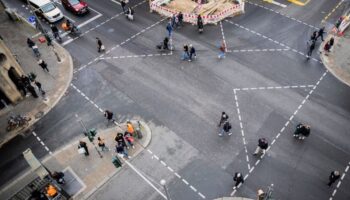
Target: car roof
(40, 2)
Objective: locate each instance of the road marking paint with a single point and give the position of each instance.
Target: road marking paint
(340, 181)
(279, 13)
(118, 45)
(286, 124)
(223, 36)
(332, 11)
(273, 40)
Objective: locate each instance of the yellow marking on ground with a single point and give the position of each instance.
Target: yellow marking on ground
(332, 11)
(300, 2)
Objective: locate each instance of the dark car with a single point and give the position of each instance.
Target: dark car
(76, 6)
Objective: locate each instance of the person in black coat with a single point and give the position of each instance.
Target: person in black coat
(200, 24)
(335, 175)
(320, 33)
(224, 117)
(83, 145)
(302, 131)
(262, 146)
(226, 128)
(238, 178)
(30, 43)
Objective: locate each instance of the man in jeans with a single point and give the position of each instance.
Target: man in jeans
(262, 146)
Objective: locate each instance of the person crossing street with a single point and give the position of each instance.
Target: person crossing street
(224, 117)
(262, 146)
(238, 178)
(333, 177)
(226, 129)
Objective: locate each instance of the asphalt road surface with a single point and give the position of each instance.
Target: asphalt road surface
(265, 84)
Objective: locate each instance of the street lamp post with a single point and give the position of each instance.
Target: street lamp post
(163, 183)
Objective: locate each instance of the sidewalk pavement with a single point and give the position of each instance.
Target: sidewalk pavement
(84, 174)
(338, 60)
(54, 83)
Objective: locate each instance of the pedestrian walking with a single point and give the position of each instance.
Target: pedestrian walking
(83, 149)
(109, 116)
(130, 128)
(192, 53)
(25, 80)
(301, 131)
(311, 49)
(335, 175)
(38, 85)
(174, 21)
(32, 91)
(169, 28)
(22, 87)
(180, 18)
(101, 144)
(327, 47)
(226, 129)
(100, 46)
(185, 54)
(55, 32)
(320, 33)
(121, 151)
(128, 137)
(262, 146)
(224, 118)
(166, 43)
(119, 138)
(30, 43)
(200, 24)
(238, 178)
(313, 36)
(36, 51)
(222, 50)
(43, 65)
(123, 4)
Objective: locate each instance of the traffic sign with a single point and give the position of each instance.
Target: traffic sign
(32, 19)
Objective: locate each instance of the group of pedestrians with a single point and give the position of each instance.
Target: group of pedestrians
(189, 53)
(301, 132)
(125, 141)
(313, 39)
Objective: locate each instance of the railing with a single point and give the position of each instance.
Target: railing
(192, 17)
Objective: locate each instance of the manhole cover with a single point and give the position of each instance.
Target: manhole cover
(39, 115)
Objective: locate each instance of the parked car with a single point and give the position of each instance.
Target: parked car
(46, 9)
(77, 7)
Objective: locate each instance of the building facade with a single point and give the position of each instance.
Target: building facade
(10, 76)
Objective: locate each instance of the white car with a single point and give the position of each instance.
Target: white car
(46, 9)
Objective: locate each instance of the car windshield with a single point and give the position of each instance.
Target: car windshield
(48, 7)
(74, 2)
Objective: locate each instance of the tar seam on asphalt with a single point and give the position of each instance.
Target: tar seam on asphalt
(153, 155)
(274, 41)
(289, 17)
(42, 143)
(285, 125)
(332, 11)
(176, 174)
(340, 181)
(118, 45)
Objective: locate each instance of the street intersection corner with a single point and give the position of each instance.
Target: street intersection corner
(85, 174)
(55, 82)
